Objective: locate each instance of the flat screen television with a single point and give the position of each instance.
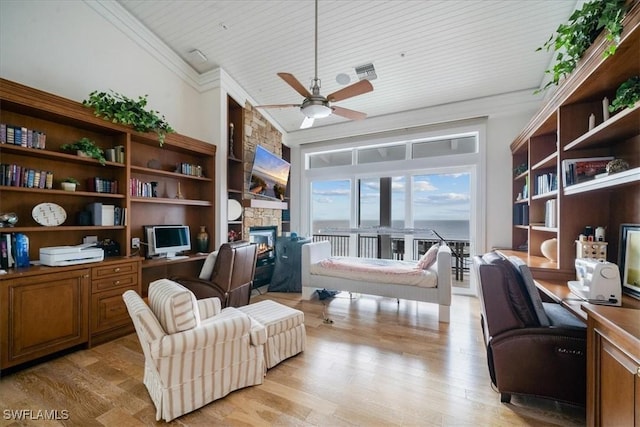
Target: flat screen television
(269, 175)
(167, 241)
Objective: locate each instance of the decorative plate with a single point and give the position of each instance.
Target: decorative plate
(234, 210)
(49, 214)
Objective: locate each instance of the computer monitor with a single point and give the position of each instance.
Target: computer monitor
(167, 240)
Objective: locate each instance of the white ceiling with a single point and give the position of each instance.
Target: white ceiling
(425, 52)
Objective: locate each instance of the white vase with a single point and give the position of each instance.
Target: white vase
(549, 249)
(68, 186)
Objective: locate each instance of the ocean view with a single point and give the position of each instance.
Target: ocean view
(448, 229)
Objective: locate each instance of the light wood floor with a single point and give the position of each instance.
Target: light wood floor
(377, 364)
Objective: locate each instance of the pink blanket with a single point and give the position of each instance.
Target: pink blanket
(375, 270)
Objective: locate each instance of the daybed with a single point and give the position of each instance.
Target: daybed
(387, 278)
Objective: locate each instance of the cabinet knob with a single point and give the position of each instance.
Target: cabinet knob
(117, 282)
(86, 276)
(117, 269)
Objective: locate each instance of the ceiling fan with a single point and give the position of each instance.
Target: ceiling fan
(315, 106)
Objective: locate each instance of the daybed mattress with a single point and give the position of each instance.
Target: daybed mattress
(375, 270)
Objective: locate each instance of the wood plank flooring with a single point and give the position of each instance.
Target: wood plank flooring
(378, 364)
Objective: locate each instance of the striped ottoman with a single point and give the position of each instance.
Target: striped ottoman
(286, 335)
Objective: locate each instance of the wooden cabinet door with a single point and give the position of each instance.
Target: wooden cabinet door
(42, 314)
(618, 386)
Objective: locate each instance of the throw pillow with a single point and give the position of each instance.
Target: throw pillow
(174, 305)
(429, 258)
(531, 288)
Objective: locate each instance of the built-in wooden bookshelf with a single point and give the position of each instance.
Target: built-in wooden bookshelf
(235, 161)
(48, 309)
(561, 131)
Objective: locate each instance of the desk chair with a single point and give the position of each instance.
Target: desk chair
(226, 273)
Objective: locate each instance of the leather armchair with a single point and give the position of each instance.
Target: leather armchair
(533, 347)
(227, 274)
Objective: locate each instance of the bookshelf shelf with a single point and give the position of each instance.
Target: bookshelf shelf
(628, 177)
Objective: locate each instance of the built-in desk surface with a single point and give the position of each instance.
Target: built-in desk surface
(559, 291)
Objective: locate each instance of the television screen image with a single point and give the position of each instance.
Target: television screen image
(270, 175)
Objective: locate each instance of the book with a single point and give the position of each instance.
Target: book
(96, 213)
(108, 215)
(20, 244)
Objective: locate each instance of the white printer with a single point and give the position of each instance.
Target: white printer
(56, 256)
(598, 281)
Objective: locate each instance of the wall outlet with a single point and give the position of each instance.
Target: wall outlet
(135, 243)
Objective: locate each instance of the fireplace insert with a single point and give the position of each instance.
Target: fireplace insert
(265, 238)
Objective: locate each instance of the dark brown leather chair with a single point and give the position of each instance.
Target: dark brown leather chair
(533, 347)
(226, 274)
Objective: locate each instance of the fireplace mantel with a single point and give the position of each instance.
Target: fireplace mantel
(265, 204)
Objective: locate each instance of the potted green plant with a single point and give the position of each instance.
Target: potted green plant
(86, 147)
(70, 184)
(627, 95)
(118, 108)
(574, 38)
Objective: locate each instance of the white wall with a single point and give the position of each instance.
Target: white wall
(501, 131)
(68, 49)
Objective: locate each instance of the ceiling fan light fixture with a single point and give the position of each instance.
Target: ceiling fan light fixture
(316, 111)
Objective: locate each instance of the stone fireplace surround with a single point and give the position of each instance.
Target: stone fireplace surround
(258, 131)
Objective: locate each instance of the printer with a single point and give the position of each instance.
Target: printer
(598, 282)
(57, 256)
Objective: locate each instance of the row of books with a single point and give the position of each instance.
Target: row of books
(546, 183)
(14, 250)
(20, 135)
(190, 169)
(102, 185)
(551, 213)
(520, 214)
(575, 171)
(13, 175)
(138, 188)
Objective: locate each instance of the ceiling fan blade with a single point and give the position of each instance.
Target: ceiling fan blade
(294, 83)
(349, 114)
(307, 123)
(363, 86)
(277, 106)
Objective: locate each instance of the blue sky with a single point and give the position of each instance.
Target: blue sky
(436, 197)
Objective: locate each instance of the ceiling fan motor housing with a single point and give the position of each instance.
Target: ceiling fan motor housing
(316, 107)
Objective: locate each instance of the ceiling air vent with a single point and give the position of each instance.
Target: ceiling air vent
(366, 71)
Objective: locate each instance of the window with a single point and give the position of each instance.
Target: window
(429, 178)
(442, 202)
(330, 205)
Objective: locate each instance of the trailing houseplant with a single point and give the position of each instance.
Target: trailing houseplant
(121, 109)
(88, 147)
(572, 39)
(627, 95)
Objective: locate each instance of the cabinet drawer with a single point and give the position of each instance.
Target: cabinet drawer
(109, 310)
(113, 282)
(114, 269)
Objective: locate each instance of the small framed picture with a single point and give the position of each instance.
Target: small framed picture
(629, 258)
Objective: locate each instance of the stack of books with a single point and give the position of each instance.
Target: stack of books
(575, 171)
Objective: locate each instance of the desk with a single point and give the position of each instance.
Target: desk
(613, 355)
(558, 291)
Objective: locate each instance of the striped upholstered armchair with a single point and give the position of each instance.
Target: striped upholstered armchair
(195, 352)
